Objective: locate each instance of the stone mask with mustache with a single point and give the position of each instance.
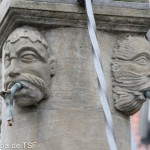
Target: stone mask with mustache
(28, 60)
(131, 74)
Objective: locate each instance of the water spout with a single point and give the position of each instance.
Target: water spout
(8, 96)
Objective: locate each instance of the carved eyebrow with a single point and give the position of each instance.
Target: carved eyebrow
(135, 57)
(140, 55)
(23, 49)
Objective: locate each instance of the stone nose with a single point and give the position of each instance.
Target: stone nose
(14, 72)
(14, 68)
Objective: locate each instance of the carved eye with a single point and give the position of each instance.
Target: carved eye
(28, 56)
(141, 60)
(7, 61)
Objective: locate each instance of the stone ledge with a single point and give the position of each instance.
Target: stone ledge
(49, 15)
(137, 1)
(4, 5)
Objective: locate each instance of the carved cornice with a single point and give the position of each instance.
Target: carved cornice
(49, 15)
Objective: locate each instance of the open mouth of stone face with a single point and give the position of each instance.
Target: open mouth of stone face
(9, 85)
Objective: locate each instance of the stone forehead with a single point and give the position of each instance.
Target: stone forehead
(26, 32)
(131, 47)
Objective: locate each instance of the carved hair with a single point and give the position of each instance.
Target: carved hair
(26, 32)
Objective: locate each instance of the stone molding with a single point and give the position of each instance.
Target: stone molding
(49, 15)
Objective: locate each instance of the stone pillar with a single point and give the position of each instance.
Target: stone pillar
(70, 117)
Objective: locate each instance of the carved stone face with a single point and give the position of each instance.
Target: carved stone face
(131, 74)
(27, 60)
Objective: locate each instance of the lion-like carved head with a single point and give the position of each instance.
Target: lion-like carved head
(131, 74)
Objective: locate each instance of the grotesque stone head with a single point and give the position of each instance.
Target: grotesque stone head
(28, 60)
(131, 74)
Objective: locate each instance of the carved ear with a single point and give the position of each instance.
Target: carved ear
(52, 63)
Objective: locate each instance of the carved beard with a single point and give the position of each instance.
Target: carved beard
(128, 88)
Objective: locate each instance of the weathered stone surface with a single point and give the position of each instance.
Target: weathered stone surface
(141, 1)
(28, 47)
(93, 1)
(60, 15)
(4, 5)
(49, 15)
(35, 68)
(131, 75)
(72, 118)
(0, 88)
(70, 1)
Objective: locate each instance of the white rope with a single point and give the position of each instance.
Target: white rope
(100, 76)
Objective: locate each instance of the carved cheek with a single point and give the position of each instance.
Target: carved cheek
(139, 69)
(132, 67)
(39, 69)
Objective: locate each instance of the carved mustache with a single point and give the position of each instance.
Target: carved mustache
(135, 87)
(135, 83)
(34, 80)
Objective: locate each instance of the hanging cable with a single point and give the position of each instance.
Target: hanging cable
(100, 75)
